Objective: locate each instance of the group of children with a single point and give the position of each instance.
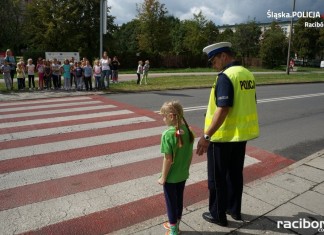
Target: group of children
(79, 74)
(50, 74)
(142, 71)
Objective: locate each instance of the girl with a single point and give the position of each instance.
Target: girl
(48, 75)
(87, 69)
(177, 146)
(97, 75)
(55, 73)
(20, 75)
(66, 70)
(40, 68)
(79, 76)
(146, 68)
(31, 73)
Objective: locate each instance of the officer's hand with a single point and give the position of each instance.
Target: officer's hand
(202, 146)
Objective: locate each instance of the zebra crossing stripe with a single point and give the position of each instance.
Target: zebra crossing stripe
(41, 120)
(73, 128)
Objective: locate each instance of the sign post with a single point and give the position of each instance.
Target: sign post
(290, 36)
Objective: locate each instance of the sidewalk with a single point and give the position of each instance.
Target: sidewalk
(293, 197)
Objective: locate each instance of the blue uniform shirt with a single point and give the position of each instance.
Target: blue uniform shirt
(224, 91)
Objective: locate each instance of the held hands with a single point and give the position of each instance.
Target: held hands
(202, 146)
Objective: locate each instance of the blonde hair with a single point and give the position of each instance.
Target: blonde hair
(174, 107)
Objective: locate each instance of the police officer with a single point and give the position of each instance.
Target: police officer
(231, 120)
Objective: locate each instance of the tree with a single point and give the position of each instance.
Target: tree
(127, 37)
(198, 33)
(227, 35)
(153, 32)
(246, 39)
(11, 18)
(320, 43)
(212, 33)
(177, 34)
(63, 25)
(273, 50)
(305, 38)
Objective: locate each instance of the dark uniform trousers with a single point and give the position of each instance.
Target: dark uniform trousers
(225, 162)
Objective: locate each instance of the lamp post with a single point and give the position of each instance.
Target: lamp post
(290, 36)
(103, 23)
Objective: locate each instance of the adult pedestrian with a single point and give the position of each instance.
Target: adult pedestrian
(5, 69)
(105, 69)
(12, 63)
(231, 120)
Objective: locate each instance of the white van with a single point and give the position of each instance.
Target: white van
(322, 64)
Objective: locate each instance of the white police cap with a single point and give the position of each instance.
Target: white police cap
(216, 48)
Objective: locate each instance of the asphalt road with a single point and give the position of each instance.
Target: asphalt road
(291, 116)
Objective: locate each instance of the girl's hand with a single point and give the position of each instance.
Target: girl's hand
(161, 181)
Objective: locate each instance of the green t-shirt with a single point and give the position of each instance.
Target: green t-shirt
(179, 170)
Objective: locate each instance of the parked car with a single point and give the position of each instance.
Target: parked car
(314, 63)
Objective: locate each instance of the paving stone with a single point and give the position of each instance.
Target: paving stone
(270, 193)
(311, 200)
(319, 188)
(317, 163)
(309, 173)
(262, 226)
(289, 213)
(253, 207)
(198, 224)
(292, 183)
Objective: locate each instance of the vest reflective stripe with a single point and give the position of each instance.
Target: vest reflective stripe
(241, 123)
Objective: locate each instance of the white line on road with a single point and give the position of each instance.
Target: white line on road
(65, 118)
(31, 102)
(204, 107)
(28, 106)
(290, 97)
(26, 151)
(56, 111)
(73, 128)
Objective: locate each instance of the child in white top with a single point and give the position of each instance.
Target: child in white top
(31, 73)
(139, 71)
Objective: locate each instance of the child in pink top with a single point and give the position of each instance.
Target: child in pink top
(41, 70)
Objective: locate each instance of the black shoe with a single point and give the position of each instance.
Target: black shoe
(235, 217)
(208, 217)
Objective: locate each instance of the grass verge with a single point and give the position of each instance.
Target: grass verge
(203, 81)
(182, 82)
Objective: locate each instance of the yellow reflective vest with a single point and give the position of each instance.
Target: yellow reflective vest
(241, 123)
